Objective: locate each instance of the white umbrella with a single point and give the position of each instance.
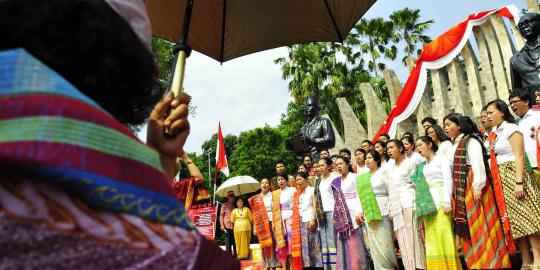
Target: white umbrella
(241, 185)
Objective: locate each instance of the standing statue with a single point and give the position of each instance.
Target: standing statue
(525, 64)
(317, 134)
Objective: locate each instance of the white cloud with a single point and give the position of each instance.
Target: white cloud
(243, 94)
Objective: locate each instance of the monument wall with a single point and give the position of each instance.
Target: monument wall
(479, 74)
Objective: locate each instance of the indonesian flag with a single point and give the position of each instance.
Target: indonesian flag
(221, 156)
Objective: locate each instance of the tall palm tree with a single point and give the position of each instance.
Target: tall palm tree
(410, 30)
(378, 34)
(308, 66)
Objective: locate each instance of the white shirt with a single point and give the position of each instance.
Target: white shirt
(379, 183)
(327, 196)
(503, 148)
(444, 148)
(361, 170)
(474, 158)
(286, 198)
(267, 199)
(438, 174)
(305, 204)
(415, 158)
(530, 120)
(401, 183)
(348, 187)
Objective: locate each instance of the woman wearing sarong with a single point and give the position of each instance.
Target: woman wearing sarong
(476, 218)
(282, 201)
(78, 190)
(306, 244)
(514, 185)
(372, 190)
(351, 250)
(241, 217)
(402, 207)
(325, 211)
(436, 173)
(261, 206)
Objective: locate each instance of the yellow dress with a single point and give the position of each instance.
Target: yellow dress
(242, 219)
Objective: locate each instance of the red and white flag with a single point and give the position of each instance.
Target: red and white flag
(221, 156)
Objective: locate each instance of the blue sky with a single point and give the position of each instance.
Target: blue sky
(249, 92)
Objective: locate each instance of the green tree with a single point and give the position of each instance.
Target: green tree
(257, 152)
(163, 53)
(378, 34)
(410, 30)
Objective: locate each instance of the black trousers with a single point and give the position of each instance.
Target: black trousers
(229, 241)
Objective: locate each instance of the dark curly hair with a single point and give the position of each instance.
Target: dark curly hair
(90, 46)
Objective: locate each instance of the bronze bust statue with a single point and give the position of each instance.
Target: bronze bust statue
(525, 64)
(317, 134)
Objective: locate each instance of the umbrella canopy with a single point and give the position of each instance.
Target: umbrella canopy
(241, 185)
(225, 30)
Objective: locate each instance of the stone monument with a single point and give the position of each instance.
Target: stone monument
(317, 134)
(525, 64)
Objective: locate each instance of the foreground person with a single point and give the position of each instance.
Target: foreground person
(77, 188)
(476, 219)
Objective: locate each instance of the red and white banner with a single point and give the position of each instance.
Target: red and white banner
(204, 218)
(437, 54)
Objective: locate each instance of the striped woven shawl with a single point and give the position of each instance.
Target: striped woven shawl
(51, 131)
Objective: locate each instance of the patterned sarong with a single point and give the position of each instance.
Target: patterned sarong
(261, 226)
(95, 195)
(49, 128)
(523, 214)
(499, 195)
(380, 243)
(441, 251)
(328, 242)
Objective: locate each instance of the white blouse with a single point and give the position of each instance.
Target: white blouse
(401, 183)
(361, 170)
(503, 148)
(438, 174)
(286, 198)
(379, 183)
(474, 158)
(348, 187)
(444, 148)
(415, 158)
(305, 204)
(528, 125)
(327, 196)
(267, 199)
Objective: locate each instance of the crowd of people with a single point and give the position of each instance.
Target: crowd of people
(454, 188)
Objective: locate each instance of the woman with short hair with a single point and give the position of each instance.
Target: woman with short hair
(241, 217)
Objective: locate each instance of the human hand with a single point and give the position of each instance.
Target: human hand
(519, 191)
(477, 195)
(312, 225)
(169, 114)
(447, 210)
(360, 219)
